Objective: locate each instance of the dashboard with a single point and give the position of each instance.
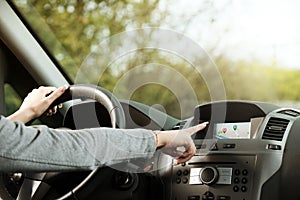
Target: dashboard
(249, 151)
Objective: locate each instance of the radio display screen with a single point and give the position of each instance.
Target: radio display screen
(239, 130)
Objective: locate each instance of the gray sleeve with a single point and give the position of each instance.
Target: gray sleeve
(42, 149)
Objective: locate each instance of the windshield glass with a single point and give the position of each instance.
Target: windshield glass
(174, 55)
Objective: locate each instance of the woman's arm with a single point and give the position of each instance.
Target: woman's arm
(42, 148)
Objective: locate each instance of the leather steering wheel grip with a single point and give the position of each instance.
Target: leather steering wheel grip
(99, 94)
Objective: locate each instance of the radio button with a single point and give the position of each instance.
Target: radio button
(178, 180)
(226, 180)
(179, 173)
(245, 172)
(236, 188)
(185, 172)
(195, 171)
(244, 189)
(195, 180)
(237, 172)
(224, 171)
(208, 196)
(214, 147)
(208, 175)
(223, 198)
(185, 180)
(228, 146)
(244, 180)
(193, 197)
(236, 180)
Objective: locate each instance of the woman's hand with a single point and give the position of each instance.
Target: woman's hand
(37, 102)
(171, 141)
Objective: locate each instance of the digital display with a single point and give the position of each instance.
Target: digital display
(239, 130)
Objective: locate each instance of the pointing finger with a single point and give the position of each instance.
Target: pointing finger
(194, 129)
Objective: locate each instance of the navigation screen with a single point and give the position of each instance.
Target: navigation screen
(239, 130)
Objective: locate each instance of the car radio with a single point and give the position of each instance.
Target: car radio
(213, 177)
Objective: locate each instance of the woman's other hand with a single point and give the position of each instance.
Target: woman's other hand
(38, 102)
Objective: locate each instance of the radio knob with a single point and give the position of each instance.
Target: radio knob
(208, 175)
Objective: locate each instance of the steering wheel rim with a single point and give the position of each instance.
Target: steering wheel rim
(112, 105)
(101, 95)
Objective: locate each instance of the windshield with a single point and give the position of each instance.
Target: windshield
(174, 55)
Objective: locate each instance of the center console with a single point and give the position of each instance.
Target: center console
(238, 154)
(214, 177)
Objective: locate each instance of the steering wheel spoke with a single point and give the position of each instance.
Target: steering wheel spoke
(33, 187)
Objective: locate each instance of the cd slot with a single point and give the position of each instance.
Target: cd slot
(211, 163)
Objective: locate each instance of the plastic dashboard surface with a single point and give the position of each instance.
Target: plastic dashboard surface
(242, 154)
(249, 151)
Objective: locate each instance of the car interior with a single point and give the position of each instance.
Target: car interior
(249, 151)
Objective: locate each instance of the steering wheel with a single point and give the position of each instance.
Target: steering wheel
(34, 185)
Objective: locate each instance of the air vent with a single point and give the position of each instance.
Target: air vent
(275, 129)
(290, 112)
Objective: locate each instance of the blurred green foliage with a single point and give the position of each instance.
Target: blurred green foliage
(12, 97)
(80, 25)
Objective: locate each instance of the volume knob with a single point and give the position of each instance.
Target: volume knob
(208, 175)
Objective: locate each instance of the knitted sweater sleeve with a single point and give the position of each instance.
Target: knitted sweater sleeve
(41, 148)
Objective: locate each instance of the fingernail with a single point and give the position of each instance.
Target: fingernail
(205, 123)
(63, 88)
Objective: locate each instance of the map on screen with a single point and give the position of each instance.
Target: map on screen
(239, 130)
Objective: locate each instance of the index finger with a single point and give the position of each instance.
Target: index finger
(194, 129)
(56, 93)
